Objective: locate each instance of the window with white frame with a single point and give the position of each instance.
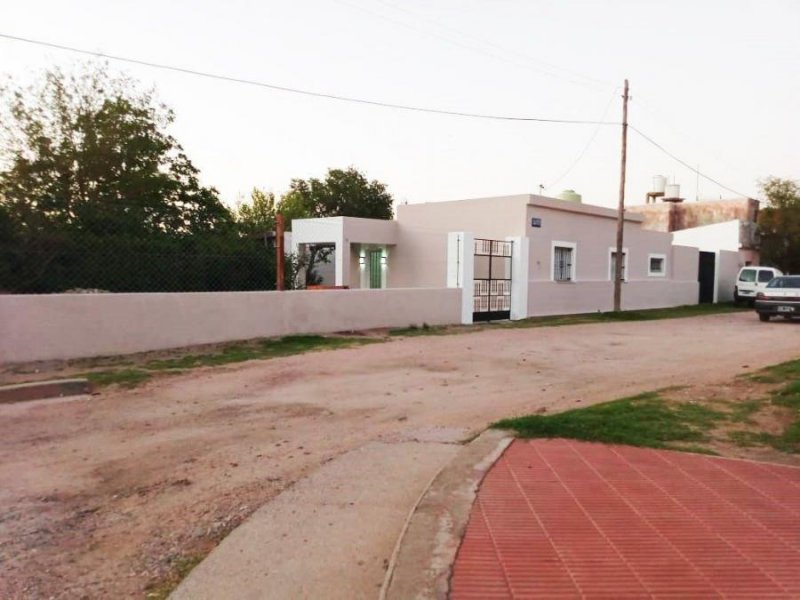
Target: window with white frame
(563, 261)
(657, 265)
(612, 264)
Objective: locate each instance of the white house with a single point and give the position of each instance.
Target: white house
(515, 256)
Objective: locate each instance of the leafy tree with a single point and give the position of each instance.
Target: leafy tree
(89, 151)
(779, 224)
(343, 193)
(257, 217)
(95, 193)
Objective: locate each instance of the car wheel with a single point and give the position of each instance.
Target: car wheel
(736, 297)
(763, 317)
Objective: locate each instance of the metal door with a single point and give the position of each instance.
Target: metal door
(492, 277)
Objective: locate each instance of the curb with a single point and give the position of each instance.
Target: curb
(38, 390)
(421, 564)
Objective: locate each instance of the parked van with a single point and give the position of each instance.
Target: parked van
(752, 280)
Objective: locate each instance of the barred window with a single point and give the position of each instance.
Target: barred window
(562, 263)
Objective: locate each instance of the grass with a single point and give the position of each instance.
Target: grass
(181, 567)
(653, 314)
(677, 312)
(650, 420)
(643, 420)
(232, 353)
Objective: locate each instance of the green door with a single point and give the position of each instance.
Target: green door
(375, 268)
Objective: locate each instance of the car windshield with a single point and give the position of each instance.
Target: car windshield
(784, 282)
(747, 275)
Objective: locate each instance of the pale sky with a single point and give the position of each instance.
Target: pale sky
(716, 82)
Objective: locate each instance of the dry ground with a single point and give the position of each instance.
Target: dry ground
(107, 496)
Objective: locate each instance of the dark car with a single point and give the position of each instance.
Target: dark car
(780, 298)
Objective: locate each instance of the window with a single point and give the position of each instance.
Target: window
(563, 261)
(612, 264)
(657, 265)
(747, 275)
(765, 276)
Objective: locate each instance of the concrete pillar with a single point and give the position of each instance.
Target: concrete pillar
(461, 270)
(342, 264)
(519, 277)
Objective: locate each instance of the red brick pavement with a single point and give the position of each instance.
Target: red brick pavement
(566, 519)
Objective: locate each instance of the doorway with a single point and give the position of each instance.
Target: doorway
(705, 275)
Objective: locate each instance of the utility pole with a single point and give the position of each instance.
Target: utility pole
(620, 259)
(280, 256)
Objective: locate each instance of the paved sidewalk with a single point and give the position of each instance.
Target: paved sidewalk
(566, 519)
(329, 536)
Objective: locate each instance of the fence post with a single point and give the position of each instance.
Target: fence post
(279, 252)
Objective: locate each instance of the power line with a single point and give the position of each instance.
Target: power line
(588, 143)
(280, 88)
(574, 77)
(687, 165)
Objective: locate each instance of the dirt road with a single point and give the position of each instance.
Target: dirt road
(101, 496)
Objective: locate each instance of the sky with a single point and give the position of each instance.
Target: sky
(715, 82)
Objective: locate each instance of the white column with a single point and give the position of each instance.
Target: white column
(461, 269)
(342, 265)
(519, 277)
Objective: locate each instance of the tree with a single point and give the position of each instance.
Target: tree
(257, 217)
(95, 193)
(90, 152)
(343, 193)
(779, 224)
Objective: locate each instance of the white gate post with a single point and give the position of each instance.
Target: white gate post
(519, 277)
(461, 270)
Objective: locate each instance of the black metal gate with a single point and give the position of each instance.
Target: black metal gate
(492, 276)
(705, 275)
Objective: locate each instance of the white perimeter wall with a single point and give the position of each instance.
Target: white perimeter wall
(61, 326)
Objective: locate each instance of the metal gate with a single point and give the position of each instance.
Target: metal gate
(705, 275)
(492, 276)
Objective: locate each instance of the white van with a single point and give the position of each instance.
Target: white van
(752, 280)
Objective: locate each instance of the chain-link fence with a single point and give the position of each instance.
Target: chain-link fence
(52, 264)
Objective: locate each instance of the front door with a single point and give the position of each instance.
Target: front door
(375, 278)
(705, 275)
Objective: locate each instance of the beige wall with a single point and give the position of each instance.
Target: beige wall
(727, 269)
(593, 235)
(494, 218)
(553, 298)
(61, 326)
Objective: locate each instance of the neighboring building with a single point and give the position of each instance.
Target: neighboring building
(514, 256)
(718, 224)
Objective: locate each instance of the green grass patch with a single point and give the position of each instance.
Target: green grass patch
(181, 567)
(643, 420)
(780, 373)
(676, 312)
(742, 412)
(127, 378)
(232, 353)
(424, 329)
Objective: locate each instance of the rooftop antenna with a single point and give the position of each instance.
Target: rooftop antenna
(541, 189)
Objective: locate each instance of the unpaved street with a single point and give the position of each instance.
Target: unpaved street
(101, 495)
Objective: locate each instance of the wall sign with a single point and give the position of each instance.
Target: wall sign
(536, 222)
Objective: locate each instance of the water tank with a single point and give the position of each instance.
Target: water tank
(659, 183)
(672, 190)
(570, 196)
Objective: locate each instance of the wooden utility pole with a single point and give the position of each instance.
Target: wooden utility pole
(620, 259)
(280, 255)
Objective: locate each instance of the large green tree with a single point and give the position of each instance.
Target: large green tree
(96, 193)
(779, 224)
(342, 193)
(89, 151)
